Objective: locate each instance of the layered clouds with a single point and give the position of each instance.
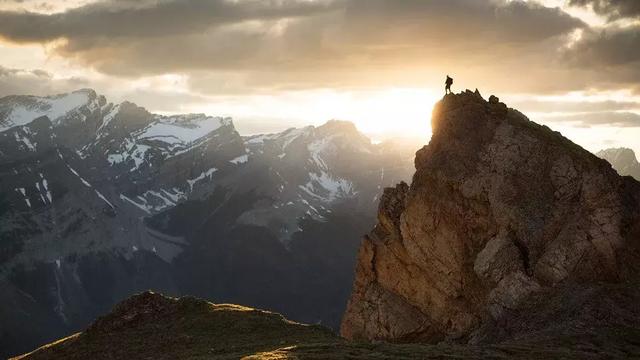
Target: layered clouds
(296, 43)
(613, 9)
(243, 49)
(37, 82)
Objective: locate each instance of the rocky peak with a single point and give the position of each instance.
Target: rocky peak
(500, 210)
(623, 160)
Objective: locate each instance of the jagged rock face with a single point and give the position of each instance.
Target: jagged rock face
(500, 209)
(623, 160)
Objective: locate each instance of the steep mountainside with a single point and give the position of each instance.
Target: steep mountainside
(151, 326)
(623, 160)
(100, 200)
(508, 232)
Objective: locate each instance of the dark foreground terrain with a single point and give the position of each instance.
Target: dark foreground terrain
(152, 326)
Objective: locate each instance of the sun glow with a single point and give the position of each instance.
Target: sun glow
(395, 112)
(381, 114)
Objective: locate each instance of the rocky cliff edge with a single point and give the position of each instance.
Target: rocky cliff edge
(507, 230)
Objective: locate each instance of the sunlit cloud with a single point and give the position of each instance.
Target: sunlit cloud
(379, 63)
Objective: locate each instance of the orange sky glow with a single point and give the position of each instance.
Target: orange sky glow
(297, 63)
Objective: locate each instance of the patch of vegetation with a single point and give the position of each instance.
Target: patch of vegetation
(152, 326)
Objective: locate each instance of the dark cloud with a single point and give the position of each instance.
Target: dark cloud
(610, 57)
(608, 118)
(612, 8)
(297, 44)
(117, 19)
(447, 22)
(607, 47)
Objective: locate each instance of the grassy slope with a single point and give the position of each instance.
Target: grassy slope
(151, 326)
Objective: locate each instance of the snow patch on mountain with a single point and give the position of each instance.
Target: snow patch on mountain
(85, 182)
(152, 201)
(24, 139)
(104, 199)
(202, 176)
(240, 159)
(24, 195)
(317, 149)
(54, 107)
(182, 129)
(131, 151)
(169, 135)
(139, 206)
(106, 120)
(328, 188)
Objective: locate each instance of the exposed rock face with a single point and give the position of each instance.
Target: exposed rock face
(500, 211)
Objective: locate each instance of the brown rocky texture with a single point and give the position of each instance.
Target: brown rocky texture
(507, 230)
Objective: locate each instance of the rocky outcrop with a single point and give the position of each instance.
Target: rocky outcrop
(501, 211)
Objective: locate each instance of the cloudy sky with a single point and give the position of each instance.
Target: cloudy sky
(271, 64)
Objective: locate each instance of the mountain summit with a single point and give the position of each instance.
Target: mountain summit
(508, 230)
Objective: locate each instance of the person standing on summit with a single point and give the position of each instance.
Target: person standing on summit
(447, 85)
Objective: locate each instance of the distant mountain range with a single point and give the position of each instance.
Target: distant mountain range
(100, 200)
(623, 160)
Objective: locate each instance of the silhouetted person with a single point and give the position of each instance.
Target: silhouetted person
(447, 85)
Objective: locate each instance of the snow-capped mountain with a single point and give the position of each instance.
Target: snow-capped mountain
(100, 200)
(60, 109)
(623, 160)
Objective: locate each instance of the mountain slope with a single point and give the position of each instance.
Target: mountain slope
(99, 201)
(623, 160)
(502, 216)
(286, 223)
